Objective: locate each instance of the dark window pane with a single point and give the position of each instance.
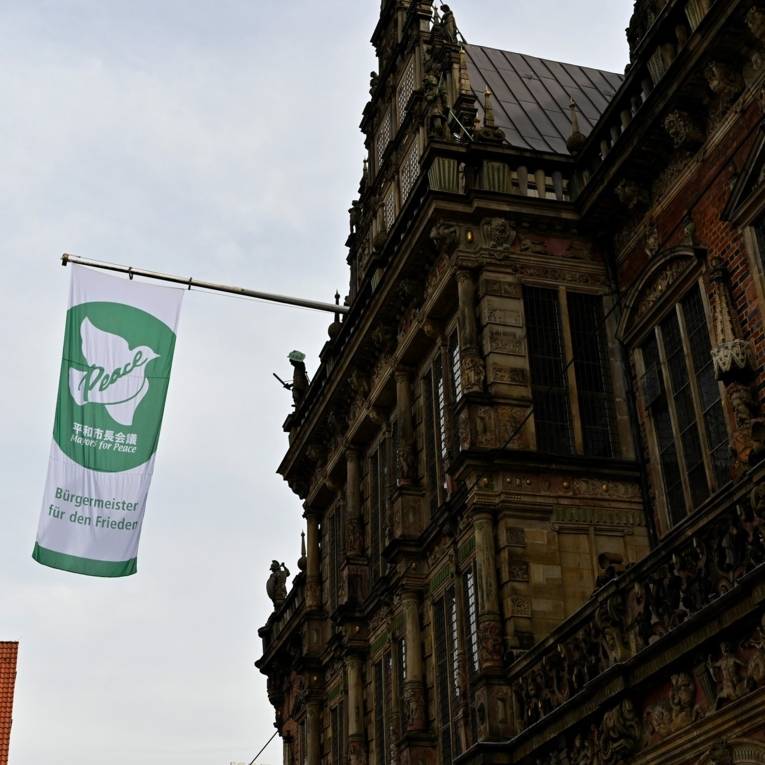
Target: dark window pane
(375, 513)
(442, 681)
(665, 439)
(709, 389)
(454, 354)
(593, 380)
(684, 408)
(549, 383)
(439, 389)
(379, 713)
(431, 442)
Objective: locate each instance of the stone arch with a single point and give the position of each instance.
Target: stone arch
(668, 273)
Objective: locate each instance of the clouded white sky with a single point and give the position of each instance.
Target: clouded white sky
(217, 139)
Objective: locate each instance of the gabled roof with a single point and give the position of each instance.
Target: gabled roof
(532, 96)
(8, 653)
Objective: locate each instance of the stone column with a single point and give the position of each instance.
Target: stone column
(357, 753)
(489, 619)
(473, 369)
(353, 540)
(313, 570)
(414, 687)
(313, 733)
(406, 459)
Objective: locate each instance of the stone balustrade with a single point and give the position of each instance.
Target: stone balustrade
(697, 565)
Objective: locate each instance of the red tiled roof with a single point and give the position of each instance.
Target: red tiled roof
(8, 655)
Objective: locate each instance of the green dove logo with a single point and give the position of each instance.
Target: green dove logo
(116, 375)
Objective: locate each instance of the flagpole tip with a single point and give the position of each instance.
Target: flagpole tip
(64, 259)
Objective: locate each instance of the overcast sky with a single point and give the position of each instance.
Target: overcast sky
(219, 139)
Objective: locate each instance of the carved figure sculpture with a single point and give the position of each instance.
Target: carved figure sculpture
(299, 377)
(620, 733)
(726, 672)
(755, 670)
(276, 587)
(682, 700)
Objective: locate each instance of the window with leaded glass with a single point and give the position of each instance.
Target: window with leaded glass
(549, 382)
(405, 89)
(456, 366)
(471, 623)
(593, 380)
(409, 171)
(431, 445)
(682, 398)
(383, 138)
(379, 712)
(378, 501)
(336, 543)
(446, 649)
(389, 207)
(338, 733)
(383, 713)
(401, 680)
(570, 372)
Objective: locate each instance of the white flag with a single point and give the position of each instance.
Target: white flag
(118, 352)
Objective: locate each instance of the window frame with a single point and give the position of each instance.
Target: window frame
(575, 424)
(675, 306)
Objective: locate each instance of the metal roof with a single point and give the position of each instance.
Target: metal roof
(532, 95)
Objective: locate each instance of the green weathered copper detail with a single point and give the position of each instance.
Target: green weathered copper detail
(442, 576)
(466, 549)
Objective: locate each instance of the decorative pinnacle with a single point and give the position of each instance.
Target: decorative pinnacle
(576, 139)
(488, 108)
(465, 87)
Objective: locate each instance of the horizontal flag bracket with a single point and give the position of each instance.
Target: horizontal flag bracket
(190, 282)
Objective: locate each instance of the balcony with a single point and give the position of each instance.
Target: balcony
(693, 585)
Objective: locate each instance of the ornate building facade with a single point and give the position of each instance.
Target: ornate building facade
(530, 461)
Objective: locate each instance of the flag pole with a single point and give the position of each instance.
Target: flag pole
(199, 284)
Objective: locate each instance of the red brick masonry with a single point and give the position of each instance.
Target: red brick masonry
(8, 655)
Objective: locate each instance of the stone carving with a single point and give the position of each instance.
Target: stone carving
(732, 356)
(490, 649)
(728, 673)
(682, 700)
(720, 754)
(445, 236)
(661, 282)
(473, 374)
(414, 704)
(631, 194)
(276, 587)
(498, 234)
(437, 108)
(678, 710)
(299, 384)
(755, 20)
(619, 735)
(725, 82)
(646, 607)
(755, 670)
(652, 240)
(374, 82)
(684, 130)
(357, 752)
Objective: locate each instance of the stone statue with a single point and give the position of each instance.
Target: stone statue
(276, 587)
(299, 377)
(448, 24)
(727, 675)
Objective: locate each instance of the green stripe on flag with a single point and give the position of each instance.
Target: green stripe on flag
(84, 565)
